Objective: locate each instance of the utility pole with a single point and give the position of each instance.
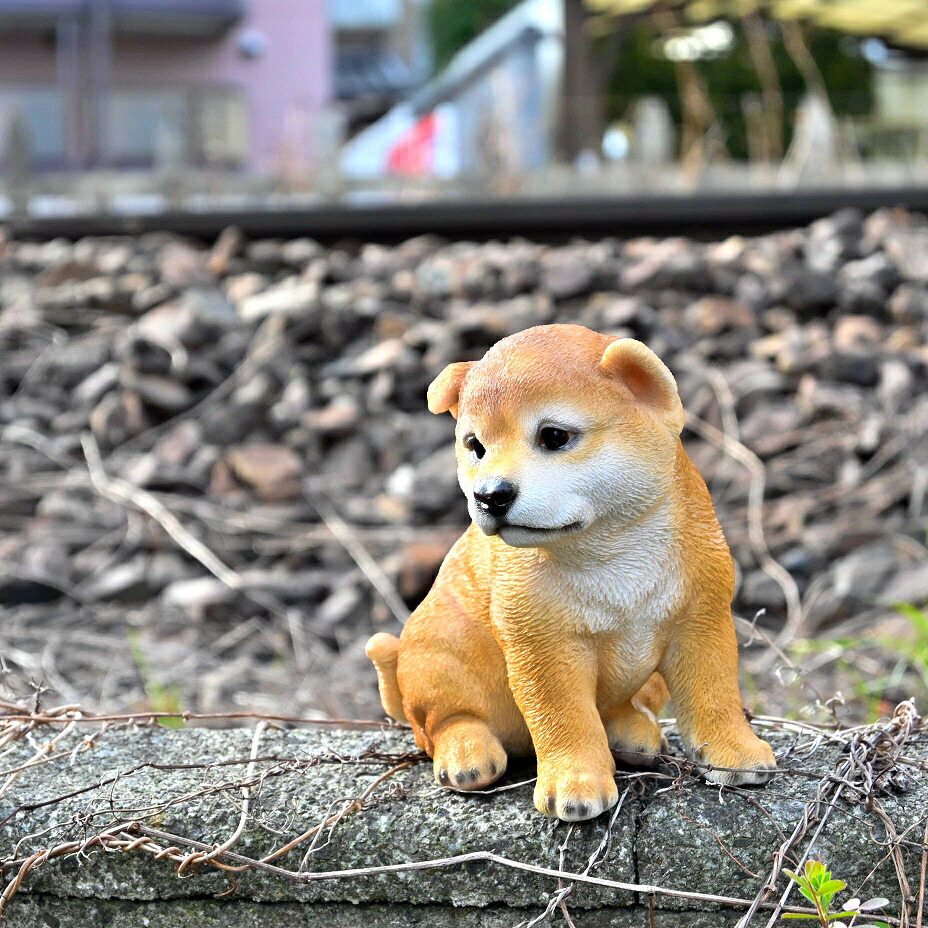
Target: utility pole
(18, 158)
(99, 27)
(68, 76)
(581, 112)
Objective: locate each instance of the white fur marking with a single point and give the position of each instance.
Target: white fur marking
(633, 587)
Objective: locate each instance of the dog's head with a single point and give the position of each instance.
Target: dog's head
(558, 429)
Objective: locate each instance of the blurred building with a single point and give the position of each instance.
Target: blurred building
(381, 53)
(135, 83)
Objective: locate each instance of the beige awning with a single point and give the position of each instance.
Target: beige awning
(902, 22)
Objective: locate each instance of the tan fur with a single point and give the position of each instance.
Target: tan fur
(567, 644)
(383, 650)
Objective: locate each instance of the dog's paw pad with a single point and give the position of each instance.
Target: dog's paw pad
(466, 778)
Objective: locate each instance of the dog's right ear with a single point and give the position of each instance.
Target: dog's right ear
(647, 378)
(446, 388)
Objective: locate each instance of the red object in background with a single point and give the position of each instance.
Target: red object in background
(413, 152)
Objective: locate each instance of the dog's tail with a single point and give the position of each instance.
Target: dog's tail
(383, 650)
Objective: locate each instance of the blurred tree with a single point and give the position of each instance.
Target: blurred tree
(453, 23)
(629, 62)
(731, 77)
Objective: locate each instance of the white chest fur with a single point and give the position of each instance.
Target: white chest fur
(633, 584)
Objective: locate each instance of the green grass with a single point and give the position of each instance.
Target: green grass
(915, 651)
(161, 697)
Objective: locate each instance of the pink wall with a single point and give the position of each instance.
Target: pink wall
(284, 88)
(288, 84)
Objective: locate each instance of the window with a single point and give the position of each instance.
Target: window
(222, 126)
(186, 125)
(44, 116)
(145, 127)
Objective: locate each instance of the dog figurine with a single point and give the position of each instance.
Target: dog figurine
(593, 579)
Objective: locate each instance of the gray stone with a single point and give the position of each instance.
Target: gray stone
(197, 596)
(41, 911)
(851, 367)
(672, 833)
(290, 298)
(122, 581)
(93, 387)
(162, 392)
(910, 585)
(909, 303)
(760, 591)
(566, 275)
(429, 486)
(906, 247)
(809, 290)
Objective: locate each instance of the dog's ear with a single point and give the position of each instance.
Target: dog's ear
(647, 379)
(446, 388)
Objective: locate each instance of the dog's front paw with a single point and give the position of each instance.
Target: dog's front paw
(748, 759)
(572, 793)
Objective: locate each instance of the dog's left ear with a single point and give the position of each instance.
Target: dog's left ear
(446, 388)
(647, 379)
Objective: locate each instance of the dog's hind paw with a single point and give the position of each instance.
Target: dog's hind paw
(635, 737)
(468, 755)
(749, 762)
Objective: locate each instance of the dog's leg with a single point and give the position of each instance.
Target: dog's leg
(554, 683)
(701, 670)
(455, 693)
(634, 736)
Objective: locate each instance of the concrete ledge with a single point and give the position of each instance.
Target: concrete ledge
(673, 832)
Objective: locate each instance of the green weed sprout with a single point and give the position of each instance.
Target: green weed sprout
(818, 886)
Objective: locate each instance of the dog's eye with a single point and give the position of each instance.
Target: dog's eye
(553, 438)
(471, 444)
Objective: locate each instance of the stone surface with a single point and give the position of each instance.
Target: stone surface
(53, 912)
(682, 835)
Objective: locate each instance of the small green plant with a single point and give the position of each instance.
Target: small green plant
(161, 697)
(817, 885)
(917, 650)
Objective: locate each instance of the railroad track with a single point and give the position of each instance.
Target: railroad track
(701, 215)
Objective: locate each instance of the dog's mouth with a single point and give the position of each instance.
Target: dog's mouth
(514, 527)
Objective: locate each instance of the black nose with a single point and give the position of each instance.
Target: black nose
(495, 496)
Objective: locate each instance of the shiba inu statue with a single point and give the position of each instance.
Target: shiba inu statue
(593, 585)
